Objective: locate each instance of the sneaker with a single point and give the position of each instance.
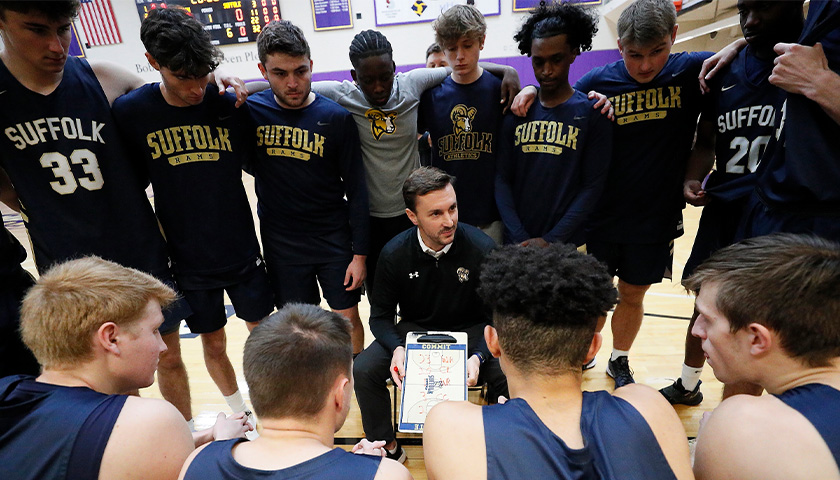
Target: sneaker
(398, 454)
(619, 370)
(590, 365)
(677, 394)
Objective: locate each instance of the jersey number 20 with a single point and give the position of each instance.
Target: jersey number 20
(67, 183)
(745, 147)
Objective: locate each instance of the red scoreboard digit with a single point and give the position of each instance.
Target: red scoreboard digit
(228, 22)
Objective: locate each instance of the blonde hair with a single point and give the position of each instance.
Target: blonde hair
(68, 304)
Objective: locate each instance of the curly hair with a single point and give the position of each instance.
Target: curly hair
(546, 303)
(179, 42)
(548, 20)
(369, 43)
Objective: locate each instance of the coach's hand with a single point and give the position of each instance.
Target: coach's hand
(398, 366)
(356, 273)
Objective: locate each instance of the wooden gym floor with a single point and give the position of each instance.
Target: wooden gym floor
(656, 357)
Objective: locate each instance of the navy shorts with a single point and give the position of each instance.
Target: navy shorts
(176, 311)
(718, 227)
(299, 283)
(636, 264)
(251, 299)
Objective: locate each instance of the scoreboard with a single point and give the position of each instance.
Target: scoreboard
(227, 21)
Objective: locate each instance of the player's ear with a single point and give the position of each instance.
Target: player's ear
(106, 337)
(353, 75)
(594, 346)
(340, 393)
(481, 42)
(262, 70)
(491, 336)
(154, 63)
(761, 339)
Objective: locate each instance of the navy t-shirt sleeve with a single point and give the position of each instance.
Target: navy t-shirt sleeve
(594, 166)
(505, 168)
(353, 174)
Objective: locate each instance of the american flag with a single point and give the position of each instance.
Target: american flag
(98, 22)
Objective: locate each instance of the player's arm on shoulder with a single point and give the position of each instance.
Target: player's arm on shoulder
(328, 88)
(453, 442)
(804, 70)
(150, 440)
(392, 470)
(115, 80)
(190, 460)
(665, 424)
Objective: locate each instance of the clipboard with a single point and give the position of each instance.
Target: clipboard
(435, 371)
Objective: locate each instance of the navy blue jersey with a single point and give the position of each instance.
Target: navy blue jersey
(464, 122)
(618, 443)
(12, 254)
(307, 160)
(652, 139)
(64, 156)
(801, 171)
(193, 156)
(743, 106)
(216, 461)
(552, 169)
(54, 432)
(820, 404)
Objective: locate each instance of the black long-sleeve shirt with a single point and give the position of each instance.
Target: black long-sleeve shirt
(434, 294)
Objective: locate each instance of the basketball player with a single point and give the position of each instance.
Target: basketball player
(657, 101)
(435, 57)
(553, 162)
(735, 130)
(62, 152)
(298, 367)
(95, 328)
(384, 106)
(191, 143)
(308, 160)
(546, 303)
(431, 272)
(463, 118)
(768, 309)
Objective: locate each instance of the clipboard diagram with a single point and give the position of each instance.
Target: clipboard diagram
(435, 371)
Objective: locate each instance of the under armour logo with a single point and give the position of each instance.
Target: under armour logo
(414, 275)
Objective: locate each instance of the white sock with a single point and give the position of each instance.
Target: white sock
(236, 402)
(191, 424)
(690, 376)
(618, 353)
